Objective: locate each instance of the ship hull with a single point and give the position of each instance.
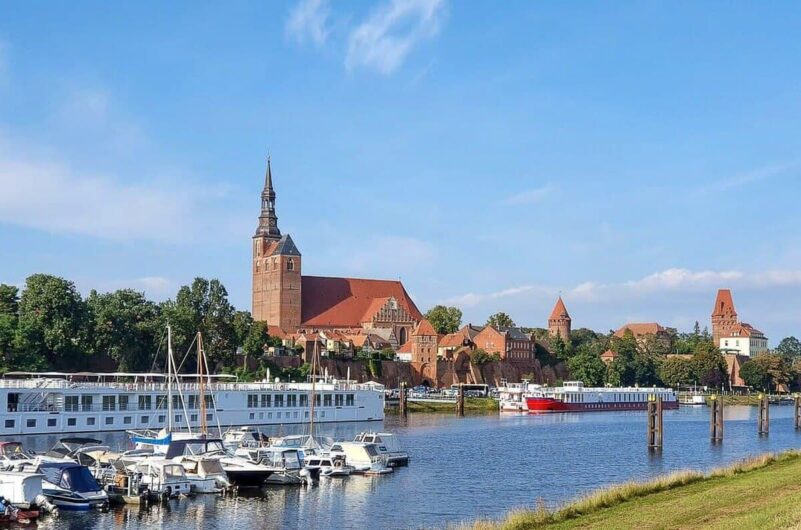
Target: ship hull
(546, 405)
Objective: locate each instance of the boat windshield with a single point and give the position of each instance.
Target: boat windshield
(174, 471)
(71, 478)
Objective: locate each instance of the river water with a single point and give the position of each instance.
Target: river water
(461, 469)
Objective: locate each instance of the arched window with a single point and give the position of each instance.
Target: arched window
(290, 264)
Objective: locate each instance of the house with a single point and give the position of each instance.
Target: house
(744, 340)
(450, 343)
(510, 343)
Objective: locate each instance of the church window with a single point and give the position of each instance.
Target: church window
(275, 263)
(290, 265)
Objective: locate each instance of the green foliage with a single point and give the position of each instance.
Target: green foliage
(766, 372)
(676, 371)
(622, 369)
(126, 327)
(709, 366)
(582, 336)
(480, 356)
(444, 319)
(755, 375)
(52, 326)
(500, 321)
(386, 354)
(256, 340)
(242, 323)
(789, 348)
(588, 367)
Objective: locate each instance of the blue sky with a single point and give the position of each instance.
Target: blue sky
(634, 156)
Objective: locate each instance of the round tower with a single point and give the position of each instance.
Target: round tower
(559, 322)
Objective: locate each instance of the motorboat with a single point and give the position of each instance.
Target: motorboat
(23, 491)
(286, 464)
(67, 448)
(202, 463)
(327, 466)
(388, 445)
(71, 486)
(240, 471)
(245, 438)
(163, 477)
(13, 456)
(363, 457)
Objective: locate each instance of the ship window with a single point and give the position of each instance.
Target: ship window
(269, 415)
(279, 400)
(209, 417)
(306, 415)
(9, 424)
(295, 414)
(162, 419)
(304, 400)
(126, 420)
(339, 400)
(279, 416)
(51, 422)
(71, 422)
(31, 423)
(322, 414)
(109, 402)
(177, 418)
(327, 400)
(144, 402)
(110, 420)
(123, 402)
(90, 421)
(349, 400)
(71, 403)
(145, 419)
(193, 417)
(252, 415)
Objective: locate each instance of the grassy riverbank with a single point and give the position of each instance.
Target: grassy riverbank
(752, 400)
(759, 493)
(471, 405)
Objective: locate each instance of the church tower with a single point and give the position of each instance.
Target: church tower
(724, 317)
(276, 267)
(559, 322)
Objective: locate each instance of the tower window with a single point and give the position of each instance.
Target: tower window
(290, 265)
(275, 263)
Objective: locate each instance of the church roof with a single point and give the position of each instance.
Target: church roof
(724, 305)
(348, 302)
(559, 310)
(285, 247)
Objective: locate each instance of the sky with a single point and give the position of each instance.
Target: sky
(632, 156)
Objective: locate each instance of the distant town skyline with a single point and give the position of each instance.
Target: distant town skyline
(490, 159)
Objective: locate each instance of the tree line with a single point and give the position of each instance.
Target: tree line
(48, 325)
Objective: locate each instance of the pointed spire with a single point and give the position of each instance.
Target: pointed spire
(268, 220)
(724, 305)
(559, 310)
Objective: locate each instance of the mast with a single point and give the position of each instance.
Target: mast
(313, 395)
(169, 378)
(201, 359)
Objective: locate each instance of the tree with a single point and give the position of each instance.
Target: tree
(623, 367)
(588, 367)
(581, 336)
(789, 348)
(126, 327)
(480, 356)
(558, 347)
(203, 307)
(52, 325)
(256, 340)
(500, 321)
(9, 316)
(242, 323)
(444, 319)
(709, 366)
(755, 375)
(676, 371)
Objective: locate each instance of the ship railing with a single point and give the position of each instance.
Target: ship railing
(185, 386)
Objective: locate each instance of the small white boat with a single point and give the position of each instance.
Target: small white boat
(24, 490)
(71, 486)
(388, 445)
(363, 457)
(327, 466)
(163, 477)
(286, 465)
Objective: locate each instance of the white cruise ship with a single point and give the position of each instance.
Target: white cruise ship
(56, 402)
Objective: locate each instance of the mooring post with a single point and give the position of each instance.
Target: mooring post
(797, 409)
(460, 401)
(764, 414)
(716, 419)
(654, 423)
(402, 405)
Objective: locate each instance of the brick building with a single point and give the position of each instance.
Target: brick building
(731, 335)
(559, 322)
(284, 298)
(424, 351)
(724, 317)
(511, 344)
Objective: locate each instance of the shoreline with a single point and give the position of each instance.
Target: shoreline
(471, 405)
(756, 492)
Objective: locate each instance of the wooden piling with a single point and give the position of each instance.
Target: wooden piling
(797, 409)
(655, 423)
(403, 405)
(763, 422)
(716, 419)
(460, 401)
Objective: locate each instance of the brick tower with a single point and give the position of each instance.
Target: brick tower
(559, 321)
(424, 351)
(276, 267)
(724, 317)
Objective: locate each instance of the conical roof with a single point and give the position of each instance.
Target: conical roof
(559, 310)
(724, 304)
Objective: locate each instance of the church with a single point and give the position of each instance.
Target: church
(291, 302)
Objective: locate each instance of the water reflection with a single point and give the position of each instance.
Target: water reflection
(462, 469)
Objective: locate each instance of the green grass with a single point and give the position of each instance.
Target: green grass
(752, 400)
(759, 493)
(471, 405)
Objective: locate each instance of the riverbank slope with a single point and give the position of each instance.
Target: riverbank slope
(762, 492)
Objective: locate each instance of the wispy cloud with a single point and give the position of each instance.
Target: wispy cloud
(308, 20)
(384, 40)
(750, 177)
(531, 196)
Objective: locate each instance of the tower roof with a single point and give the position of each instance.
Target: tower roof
(724, 305)
(268, 220)
(424, 327)
(559, 310)
(285, 247)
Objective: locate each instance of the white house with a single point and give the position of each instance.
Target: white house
(744, 340)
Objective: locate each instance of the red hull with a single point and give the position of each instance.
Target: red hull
(552, 405)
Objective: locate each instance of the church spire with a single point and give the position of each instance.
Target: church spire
(268, 221)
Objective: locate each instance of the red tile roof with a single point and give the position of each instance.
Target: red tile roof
(640, 329)
(347, 302)
(452, 340)
(424, 327)
(724, 305)
(406, 347)
(559, 310)
(609, 354)
(275, 331)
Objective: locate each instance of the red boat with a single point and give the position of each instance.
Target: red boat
(573, 397)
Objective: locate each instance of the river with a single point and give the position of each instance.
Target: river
(461, 469)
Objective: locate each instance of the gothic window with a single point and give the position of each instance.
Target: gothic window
(290, 265)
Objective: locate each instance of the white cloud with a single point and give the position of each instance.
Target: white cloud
(531, 196)
(309, 20)
(384, 40)
(750, 177)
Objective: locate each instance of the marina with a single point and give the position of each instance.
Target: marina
(520, 458)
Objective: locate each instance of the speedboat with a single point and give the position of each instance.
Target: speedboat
(286, 465)
(71, 486)
(239, 470)
(245, 437)
(203, 469)
(14, 456)
(162, 477)
(363, 457)
(23, 490)
(388, 445)
(327, 466)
